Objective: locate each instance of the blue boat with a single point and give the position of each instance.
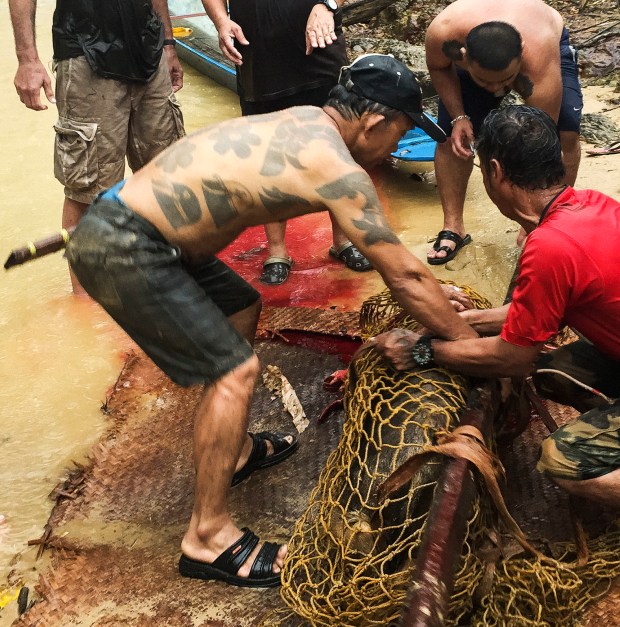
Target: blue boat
(416, 145)
(197, 42)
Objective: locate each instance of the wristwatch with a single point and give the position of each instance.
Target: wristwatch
(422, 352)
(332, 5)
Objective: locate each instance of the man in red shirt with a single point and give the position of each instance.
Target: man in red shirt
(568, 276)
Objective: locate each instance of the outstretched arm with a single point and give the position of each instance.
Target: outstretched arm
(353, 201)
(31, 75)
(174, 65)
(439, 50)
(479, 357)
(227, 30)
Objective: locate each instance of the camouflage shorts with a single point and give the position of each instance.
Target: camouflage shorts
(582, 361)
(585, 448)
(589, 446)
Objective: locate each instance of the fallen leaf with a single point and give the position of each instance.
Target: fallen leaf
(276, 382)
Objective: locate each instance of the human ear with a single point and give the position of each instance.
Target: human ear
(373, 121)
(496, 171)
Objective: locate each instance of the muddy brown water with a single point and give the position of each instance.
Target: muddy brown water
(60, 355)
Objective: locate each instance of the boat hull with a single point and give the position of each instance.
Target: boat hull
(197, 42)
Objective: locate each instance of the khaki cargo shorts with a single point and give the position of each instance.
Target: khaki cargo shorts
(101, 121)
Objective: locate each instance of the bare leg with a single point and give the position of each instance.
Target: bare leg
(571, 155)
(337, 234)
(246, 321)
(452, 177)
(219, 432)
(72, 212)
(605, 489)
(275, 238)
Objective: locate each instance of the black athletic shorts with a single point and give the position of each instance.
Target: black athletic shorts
(176, 312)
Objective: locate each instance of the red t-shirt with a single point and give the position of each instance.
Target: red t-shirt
(570, 274)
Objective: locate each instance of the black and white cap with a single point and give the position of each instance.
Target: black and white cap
(384, 79)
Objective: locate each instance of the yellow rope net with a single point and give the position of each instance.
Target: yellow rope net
(351, 559)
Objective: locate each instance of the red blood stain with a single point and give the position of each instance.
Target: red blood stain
(316, 279)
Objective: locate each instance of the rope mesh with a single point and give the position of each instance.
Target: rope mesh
(351, 559)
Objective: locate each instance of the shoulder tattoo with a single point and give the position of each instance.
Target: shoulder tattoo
(358, 186)
(237, 138)
(453, 49)
(291, 137)
(523, 86)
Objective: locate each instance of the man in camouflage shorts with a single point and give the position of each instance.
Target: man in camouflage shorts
(589, 447)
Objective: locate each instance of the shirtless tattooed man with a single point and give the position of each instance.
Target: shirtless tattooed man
(476, 52)
(145, 251)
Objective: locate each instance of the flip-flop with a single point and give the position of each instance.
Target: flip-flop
(612, 149)
(258, 456)
(276, 270)
(225, 567)
(351, 256)
(450, 253)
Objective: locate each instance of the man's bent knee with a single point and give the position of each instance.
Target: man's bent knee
(586, 448)
(554, 463)
(240, 380)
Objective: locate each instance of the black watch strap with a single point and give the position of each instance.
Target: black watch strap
(332, 5)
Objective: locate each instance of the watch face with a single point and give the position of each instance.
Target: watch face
(331, 5)
(422, 353)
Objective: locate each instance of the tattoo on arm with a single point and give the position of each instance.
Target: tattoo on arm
(178, 203)
(179, 155)
(373, 223)
(275, 199)
(523, 86)
(453, 49)
(224, 199)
